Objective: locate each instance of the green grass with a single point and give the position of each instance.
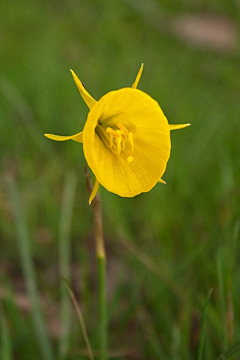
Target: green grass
(167, 248)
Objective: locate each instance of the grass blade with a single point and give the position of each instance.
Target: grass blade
(5, 348)
(157, 269)
(28, 271)
(64, 259)
(202, 335)
(232, 351)
(222, 299)
(81, 320)
(26, 114)
(23, 339)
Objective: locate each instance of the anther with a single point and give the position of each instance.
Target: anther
(119, 141)
(124, 130)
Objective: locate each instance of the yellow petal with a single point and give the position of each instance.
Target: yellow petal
(94, 191)
(135, 84)
(83, 92)
(178, 126)
(77, 137)
(141, 115)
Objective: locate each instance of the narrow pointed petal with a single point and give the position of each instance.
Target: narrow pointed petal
(94, 191)
(162, 181)
(135, 84)
(178, 126)
(88, 99)
(77, 137)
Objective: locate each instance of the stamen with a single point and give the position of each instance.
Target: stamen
(123, 144)
(121, 136)
(124, 131)
(111, 133)
(119, 141)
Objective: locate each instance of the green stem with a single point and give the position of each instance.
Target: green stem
(103, 306)
(101, 258)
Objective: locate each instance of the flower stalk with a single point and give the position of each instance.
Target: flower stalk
(101, 261)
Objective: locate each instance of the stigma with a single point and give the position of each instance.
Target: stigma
(119, 139)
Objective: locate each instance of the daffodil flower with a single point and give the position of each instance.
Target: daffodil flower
(126, 139)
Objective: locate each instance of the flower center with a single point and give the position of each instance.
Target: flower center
(118, 138)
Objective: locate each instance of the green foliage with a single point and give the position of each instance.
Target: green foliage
(167, 248)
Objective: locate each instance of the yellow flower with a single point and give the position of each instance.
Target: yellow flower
(126, 140)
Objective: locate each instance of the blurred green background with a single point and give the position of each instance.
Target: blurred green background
(167, 248)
